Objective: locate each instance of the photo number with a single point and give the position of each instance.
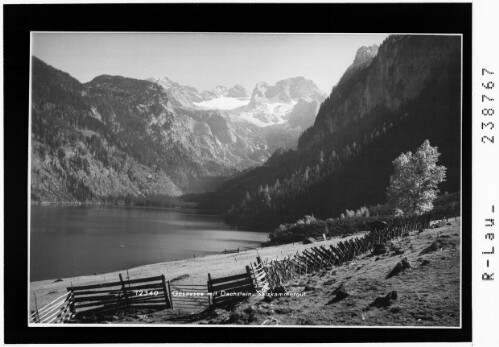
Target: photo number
(487, 110)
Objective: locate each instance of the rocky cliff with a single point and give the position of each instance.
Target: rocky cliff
(388, 78)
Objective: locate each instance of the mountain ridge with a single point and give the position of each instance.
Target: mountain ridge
(116, 138)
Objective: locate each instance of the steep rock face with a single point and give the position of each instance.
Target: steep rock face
(220, 91)
(259, 93)
(178, 95)
(285, 91)
(274, 105)
(217, 92)
(303, 114)
(238, 91)
(365, 55)
(76, 152)
(400, 71)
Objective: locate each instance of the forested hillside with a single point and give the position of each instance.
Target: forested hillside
(114, 139)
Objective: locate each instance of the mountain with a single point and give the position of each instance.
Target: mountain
(271, 105)
(77, 153)
(388, 101)
(296, 99)
(117, 138)
(274, 114)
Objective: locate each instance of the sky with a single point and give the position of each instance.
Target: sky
(203, 60)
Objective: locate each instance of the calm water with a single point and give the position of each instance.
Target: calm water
(74, 241)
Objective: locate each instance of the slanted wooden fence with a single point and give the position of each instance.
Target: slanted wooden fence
(260, 276)
(57, 311)
(230, 289)
(270, 274)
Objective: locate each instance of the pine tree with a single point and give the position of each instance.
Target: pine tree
(321, 157)
(306, 174)
(277, 184)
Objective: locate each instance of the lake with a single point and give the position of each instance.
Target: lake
(68, 241)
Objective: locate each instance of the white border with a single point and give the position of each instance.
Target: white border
(485, 166)
(235, 325)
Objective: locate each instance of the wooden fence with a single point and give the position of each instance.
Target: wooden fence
(190, 297)
(260, 276)
(270, 274)
(151, 292)
(227, 290)
(230, 251)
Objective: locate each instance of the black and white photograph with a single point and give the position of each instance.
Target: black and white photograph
(245, 179)
(249, 173)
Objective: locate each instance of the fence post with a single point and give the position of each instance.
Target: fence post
(167, 293)
(124, 290)
(250, 277)
(72, 306)
(36, 310)
(268, 272)
(72, 309)
(254, 277)
(210, 297)
(170, 294)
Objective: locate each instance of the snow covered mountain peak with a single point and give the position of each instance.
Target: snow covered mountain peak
(288, 90)
(272, 105)
(268, 104)
(220, 91)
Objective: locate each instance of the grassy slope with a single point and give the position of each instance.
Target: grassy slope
(427, 294)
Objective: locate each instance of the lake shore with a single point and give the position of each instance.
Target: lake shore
(188, 207)
(187, 271)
